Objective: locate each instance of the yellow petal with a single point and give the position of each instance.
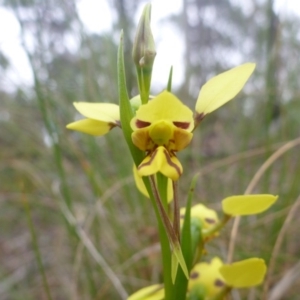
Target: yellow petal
(89, 126)
(245, 273)
(208, 276)
(166, 107)
(161, 161)
(152, 292)
(105, 112)
(247, 204)
(141, 186)
(161, 133)
(181, 139)
(142, 140)
(222, 88)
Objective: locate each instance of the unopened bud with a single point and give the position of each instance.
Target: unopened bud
(143, 52)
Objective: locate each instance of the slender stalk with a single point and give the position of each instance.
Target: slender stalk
(218, 226)
(93, 251)
(162, 212)
(165, 245)
(176, 216)
(169, 86)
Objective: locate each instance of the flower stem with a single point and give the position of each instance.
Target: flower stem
(217, 227)
(176, 216)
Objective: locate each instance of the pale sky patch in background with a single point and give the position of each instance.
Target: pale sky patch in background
(97, 17)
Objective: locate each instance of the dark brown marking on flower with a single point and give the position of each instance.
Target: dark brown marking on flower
(141, 124)
(169, 161)
(182, 216)
(219, 283)
(118, 123)
(194, 275)
(210, 221)
(183, 125)
(149, 162)
(199, 117)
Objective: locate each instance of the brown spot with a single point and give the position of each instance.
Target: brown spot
(194, 275)
(199, 117)
(210, 221)
(183, 125)
(118, 123)
(141, 124)
(182, 216)
(219, 283)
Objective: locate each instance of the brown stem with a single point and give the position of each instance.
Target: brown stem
(166, 221)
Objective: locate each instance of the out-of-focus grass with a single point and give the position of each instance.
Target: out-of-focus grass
(228, 149)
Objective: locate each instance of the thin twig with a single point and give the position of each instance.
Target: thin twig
(283, 149)
(277, 246)
(93, 251)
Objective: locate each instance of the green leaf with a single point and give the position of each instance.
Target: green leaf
(169, 86)
(181, 282)
(126, 113)
(178, 253)
(174, 268)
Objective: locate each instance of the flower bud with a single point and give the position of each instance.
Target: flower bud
(143, 53)
(144, 47)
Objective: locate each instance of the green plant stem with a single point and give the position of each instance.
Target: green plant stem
(217, 227)
(169, 86)
(164, 242)
(176, 215)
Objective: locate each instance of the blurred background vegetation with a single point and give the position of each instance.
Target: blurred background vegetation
(59, 174)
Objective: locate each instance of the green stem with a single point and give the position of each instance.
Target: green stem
(176, 216)
(217, 227)
(164, 243)
(169, 86)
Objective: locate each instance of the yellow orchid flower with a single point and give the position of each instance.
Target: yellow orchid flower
(100, 118)
(207, 217)
(161, 127)
(216, 275)
(208, 276)
(164, 125)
